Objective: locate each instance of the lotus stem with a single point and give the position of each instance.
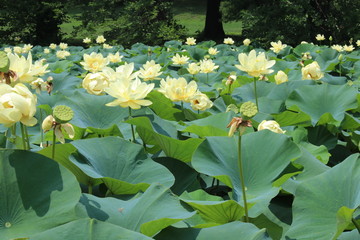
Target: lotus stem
(41, 131)
(242, 179)
(27, 137)
(23, 136)
(356, 224)
(90, 188)
(255, 92)
(53, 145)
(132, 127)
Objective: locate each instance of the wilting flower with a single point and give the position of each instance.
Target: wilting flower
(114, 58)
(213, 51)
(270, 125)
(277, 46)
(246, 42)
(190, 41)
(230, 80)
(24, 69)
(62, 54)
(349, 48)
(337, 47)
(63, 46)
(177, 89)
(129, 94)
(39, 85)
(255, 65)
(193, 68)
(100, 39)
(207, 66)
(50, 123)
(320, 37)
(229, 41)
(150, 71)
(281, 77)
(27, 48)
(17, 104)
(87, 40)
(238, 123)
(180, 59)
(200, 101)
(95, 83)
(94, 62)
(312, 71)
(52, 46)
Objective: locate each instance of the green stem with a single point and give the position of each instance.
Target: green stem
(132, 126)
(255, 91)
(23, 136)
(356, 224)
(242, 180)
(41, 131)
(53, 145)
(182, 106)
(90, 188)
(27, 138)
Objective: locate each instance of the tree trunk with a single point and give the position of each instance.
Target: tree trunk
(214, 29)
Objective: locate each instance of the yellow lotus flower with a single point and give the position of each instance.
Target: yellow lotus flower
(95, 83)
(270, 125)
(337, 47)
(277, 46)
(39, 85)
(94, 62)
(106, 46)
(63, 46)
(255, 65)
(62, 54)
(180, 59)
(358, 43)
(229, 41)
(312, 71)
(178, 89)
(17, 104)
(17, 50)
(114, 58)
(46, 50)
(213, 51)
(348, 48)
(190, 41)
(129, 94)
(52, 46)
(150, 71)
(121, 73)
(320, 37)
(246, 42)
(87, 40)
(281, 77)
(207, 66)
(27, 48)
(200, 101)
(193, 68)
(50, 123)
(100, 39)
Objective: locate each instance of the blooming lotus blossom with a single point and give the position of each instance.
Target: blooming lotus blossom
(121, 73)
(213, 51)
(17, 104)
(246, 42)
(358, 43)
(281, 77)
(26, 48)
(50, 123)
(62, 54)
(180, 59)
(46, 50)
(320, 37)
(63, 46)
(277, 46)
(270, 125)
(337, 47)
(348, 48)
(200, 101)
(150, 71)
(255, 65)
(100, 39)
(52, 46)
(193, 68)
(177, 89)
(129, 94)
(39, 85)
(7, 50)
(87, 40)
(94, 62)
(106, 46)
(207, 66)
(190, 41)
(229, 41)
(95, 83)
(17, 50)
(312, 71)
(114, 58)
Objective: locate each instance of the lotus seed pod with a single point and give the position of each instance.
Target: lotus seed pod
(248, 109)
(62, 114)
(4, 62)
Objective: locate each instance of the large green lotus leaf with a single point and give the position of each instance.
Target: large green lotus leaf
(37, 194)
(354, 234)
(64, 81)
(89, 229)
(264, 154)
(323, 101)
(233, 231)
(214, 210)
(324, 204)
(292, 118)
(164, 107)
(123, 166)
(154, 134)
(87, 109)
(282, 91)
(148, 213)
(327, 59)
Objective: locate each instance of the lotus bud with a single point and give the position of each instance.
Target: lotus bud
(48, 123)
(62, 114)
(270, 125)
